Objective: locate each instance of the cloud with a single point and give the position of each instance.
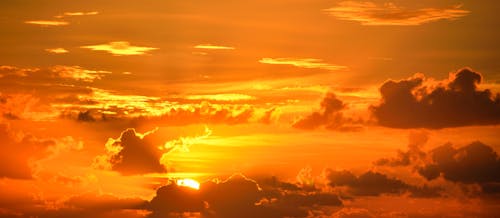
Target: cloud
(412, 155)
(370, 13)
(18, 154)
(21, 152)
(374, 184)
(238, 196)
(473, 163)
(47, 22)
(330, 116)
(222, 97)
(57, 50)
(454, 102)
(86, 205)
(120, 48)
(235, 196)
(132, 153)
(350, 212)
(309, 63)
(213, 47)
(78, 73)
(79, 13)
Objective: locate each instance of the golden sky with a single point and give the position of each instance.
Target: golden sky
(296, 108)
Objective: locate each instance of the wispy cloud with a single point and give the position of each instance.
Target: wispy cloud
(77, 13)
(370, 13)
(78, 73)
(214, 47)
(80, 13)
(309, 63)
(120, 48)
(47, 22)
(221, 97)
(57, 50)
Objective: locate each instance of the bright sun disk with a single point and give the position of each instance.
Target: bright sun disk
(189, 183)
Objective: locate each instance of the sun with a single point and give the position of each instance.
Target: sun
(189, 183)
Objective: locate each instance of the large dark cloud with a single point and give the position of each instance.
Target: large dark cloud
(374, 184)
(132, 153)
(473, 163)
(330, 116)
(238, 197)
(456, 102)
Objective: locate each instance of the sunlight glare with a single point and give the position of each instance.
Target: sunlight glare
(189, 183)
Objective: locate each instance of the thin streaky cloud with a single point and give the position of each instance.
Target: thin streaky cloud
(80, 13)
(390, 14)
(56, 50)
(222, 97)
(213, 47)
(309, 63)
(120, 48)
(47, 22)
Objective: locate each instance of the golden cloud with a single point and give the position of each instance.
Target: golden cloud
(370, 13)
(120, 48)
(213, 47)
(309, 63)
(47, 22)
(57, 50)
(222, 97)
(78, 73)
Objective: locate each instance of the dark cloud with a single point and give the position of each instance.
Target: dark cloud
(88, 205)
(374, 184)
(238, 196)
(456, 102)
(132, 153)
(413, 154)
(330, 116)
(473, 163)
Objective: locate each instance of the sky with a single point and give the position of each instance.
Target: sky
(224, 109)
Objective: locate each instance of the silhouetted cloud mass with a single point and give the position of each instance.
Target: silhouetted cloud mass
(330, 116)
(473, 163)
(238, 196)
(374, 184)
(410, 103)
(132, 153)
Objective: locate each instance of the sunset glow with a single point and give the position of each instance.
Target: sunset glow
(250, 109)
(188, 183)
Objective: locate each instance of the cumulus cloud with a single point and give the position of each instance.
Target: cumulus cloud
(414, 153)
(136, 153)
(473, 163)
(238, 196)
(330, 116)
(374, 184)
(132, 153)
(370, 13)
(309, 63)
(21, 152)
(18, 154)
(458, 101)
(120, 48)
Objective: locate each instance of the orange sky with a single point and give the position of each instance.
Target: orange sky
(295, 108)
